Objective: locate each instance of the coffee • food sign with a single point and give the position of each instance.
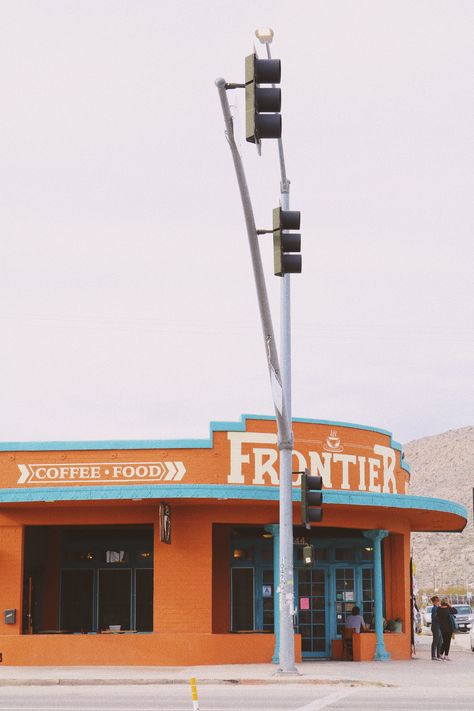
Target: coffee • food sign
(101, 472)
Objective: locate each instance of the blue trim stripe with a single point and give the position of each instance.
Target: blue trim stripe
(56, 446)
(224, 492)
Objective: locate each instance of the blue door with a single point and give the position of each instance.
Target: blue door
(312, 618)
(325, 593)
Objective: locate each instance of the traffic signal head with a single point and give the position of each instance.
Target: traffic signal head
(311, 499)
(308, 555)
(286, 246)
(262, 104)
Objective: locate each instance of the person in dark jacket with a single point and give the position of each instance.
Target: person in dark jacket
(445, 618)
(436, 630)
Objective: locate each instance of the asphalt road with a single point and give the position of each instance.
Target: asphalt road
(222, 697)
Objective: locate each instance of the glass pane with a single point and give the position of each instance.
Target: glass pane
(144, 600)
(305, 631)
(114, 598)
(320, 644)
(242, 599)
(344, 554)
(268, 618)
(268, 577)
(76, 600)
(243, 554)
(305, 589)
(115, 556)
(305, 617)
(79, 556)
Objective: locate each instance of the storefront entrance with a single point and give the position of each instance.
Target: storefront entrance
(88, 579)
(340, 577)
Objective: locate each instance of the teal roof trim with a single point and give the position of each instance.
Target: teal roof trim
(58, 446)
(223, 492)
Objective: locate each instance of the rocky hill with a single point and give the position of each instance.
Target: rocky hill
(443, 466)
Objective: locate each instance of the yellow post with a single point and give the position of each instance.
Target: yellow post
(194, 694)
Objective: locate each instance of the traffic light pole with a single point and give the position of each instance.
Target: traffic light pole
(283, 381)
(287, 611)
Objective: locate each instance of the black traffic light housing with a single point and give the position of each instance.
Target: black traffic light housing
(286, 245)
(262, 104)
(311, 499)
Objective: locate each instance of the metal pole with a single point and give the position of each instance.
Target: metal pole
(287, 607)
(285, 443)
(264, 308)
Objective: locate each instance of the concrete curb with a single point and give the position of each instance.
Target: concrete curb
(163, 682)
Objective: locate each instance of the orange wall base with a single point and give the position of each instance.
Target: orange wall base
(397, 645)
(138, 650)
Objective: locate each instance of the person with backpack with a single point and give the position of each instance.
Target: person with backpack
(447, 625)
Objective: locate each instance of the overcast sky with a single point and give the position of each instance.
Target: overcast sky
(127, 303)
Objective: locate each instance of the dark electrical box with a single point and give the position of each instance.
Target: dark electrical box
(10, 617)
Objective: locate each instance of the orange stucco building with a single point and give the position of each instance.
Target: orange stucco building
(163, 553)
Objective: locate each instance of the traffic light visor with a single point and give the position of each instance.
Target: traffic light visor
(268, 125)
(267, 71)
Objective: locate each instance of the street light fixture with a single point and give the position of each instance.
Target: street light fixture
(264, 34)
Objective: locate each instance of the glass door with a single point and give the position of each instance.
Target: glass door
(312, 612)
(345, 594)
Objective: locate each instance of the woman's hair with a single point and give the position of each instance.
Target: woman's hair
(444, 602)
(355, 611)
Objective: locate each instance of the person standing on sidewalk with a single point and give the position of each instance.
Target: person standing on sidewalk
(436, 630)
(445, 616)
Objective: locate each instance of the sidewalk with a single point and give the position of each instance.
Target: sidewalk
(459, 672)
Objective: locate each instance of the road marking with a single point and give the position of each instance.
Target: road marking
(326, 700)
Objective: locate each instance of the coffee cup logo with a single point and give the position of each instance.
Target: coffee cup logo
(333, 442)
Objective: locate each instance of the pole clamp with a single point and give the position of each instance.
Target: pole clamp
(286, 443)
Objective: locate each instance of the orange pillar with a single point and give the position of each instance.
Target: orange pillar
(11, 565)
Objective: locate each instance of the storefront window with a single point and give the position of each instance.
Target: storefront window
(368, 597)
(77, 600)
(87, 578)
(114, 599)
(268, 600)
(242, 599)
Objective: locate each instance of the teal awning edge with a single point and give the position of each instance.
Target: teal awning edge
(222, 492)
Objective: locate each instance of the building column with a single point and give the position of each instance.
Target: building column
(274, 529)
(376, 536)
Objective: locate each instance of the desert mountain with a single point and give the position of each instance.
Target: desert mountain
(442, 466)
